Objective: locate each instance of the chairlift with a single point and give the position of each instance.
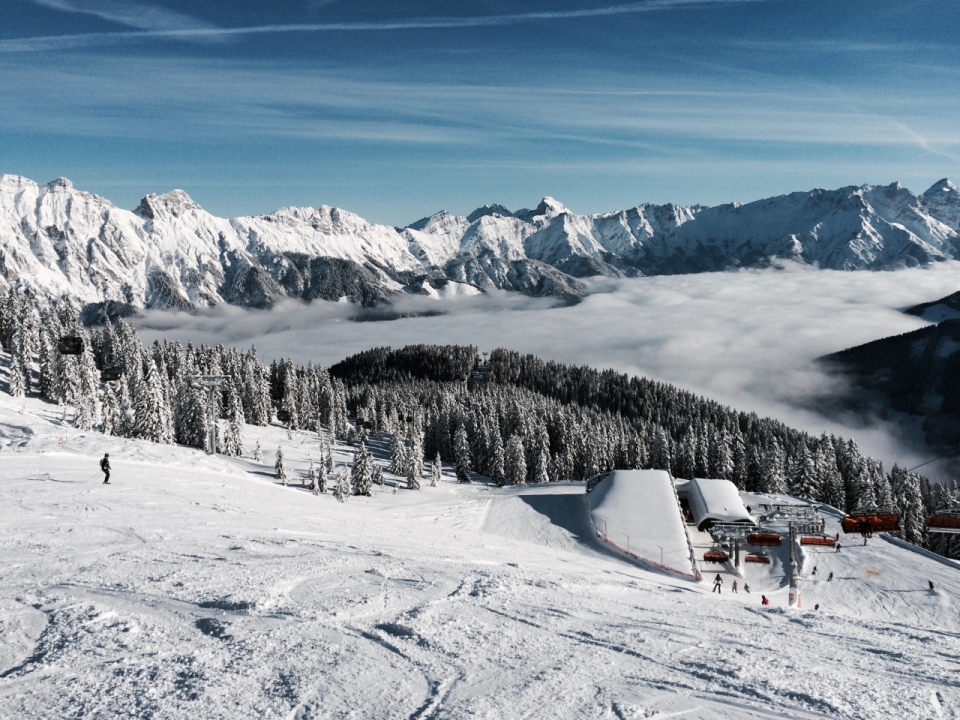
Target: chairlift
(757, 558)
(715, 556)
(821, 540)
(70, 345)
(944, 521)
(764, 539)
(871, 520)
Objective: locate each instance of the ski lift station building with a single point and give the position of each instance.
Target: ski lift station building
(713, 501)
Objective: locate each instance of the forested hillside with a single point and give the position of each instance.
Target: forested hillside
(516, 418)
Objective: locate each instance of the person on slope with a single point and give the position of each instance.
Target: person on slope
(733, 588)
(717, 582)
(746, 587)
(838, 547)
(763, 600)
(105, 466)
(830, 576)
(931, 584)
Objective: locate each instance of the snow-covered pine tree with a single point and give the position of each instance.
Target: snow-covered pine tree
(882, 492)
(515, 461)
(660, 457)
(328, 457)
(109, 412)
(688, 456)
(312, 480)
(415, 462)
(398, 455)
(497, 460)
(341, 486)
(461, 453)
(150, 408)
(258, 453)
(233, 441)
(361, 472)
(190, 419)
(774, 481)
(721, 464)
(803, 475)
(541, 468)
(280, 467)
(436, 473)
(829, 479)
(376, 476)
(908, 500)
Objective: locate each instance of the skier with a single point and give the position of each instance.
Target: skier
(746, 587)
(734, 587)
(838, 547)
(837, 538)
(105, 466)
(763, 600)
(830, 576)
(814, 570)
(817, 606)
(717, 582)
(931, 584)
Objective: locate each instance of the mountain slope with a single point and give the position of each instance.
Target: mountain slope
(197, 586)
(170, 252)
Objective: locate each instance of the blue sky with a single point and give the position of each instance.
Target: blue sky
(398, 109)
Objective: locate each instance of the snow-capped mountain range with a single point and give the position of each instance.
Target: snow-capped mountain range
(170, 253)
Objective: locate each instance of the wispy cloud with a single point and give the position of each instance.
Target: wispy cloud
(143, 16)
(169, 25)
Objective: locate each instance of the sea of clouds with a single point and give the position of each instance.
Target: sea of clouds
(747, 339)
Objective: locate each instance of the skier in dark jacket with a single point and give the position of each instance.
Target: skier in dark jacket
(105, 466)
(717, 582)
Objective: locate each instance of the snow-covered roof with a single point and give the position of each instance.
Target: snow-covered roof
(715, 501)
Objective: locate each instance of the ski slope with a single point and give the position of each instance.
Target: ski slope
(200, 587)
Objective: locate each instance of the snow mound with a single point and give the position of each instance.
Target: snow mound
(638, 511)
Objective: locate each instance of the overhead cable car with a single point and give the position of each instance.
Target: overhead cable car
(822, 540)
(764, 539)
(70, 345)
(715, 556)
(757, 558)
(871, 520)
(944, 521)
(111, 372)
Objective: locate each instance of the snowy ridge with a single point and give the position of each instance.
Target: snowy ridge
(170, 252)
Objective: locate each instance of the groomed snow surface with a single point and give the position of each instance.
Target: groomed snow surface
(197, 587)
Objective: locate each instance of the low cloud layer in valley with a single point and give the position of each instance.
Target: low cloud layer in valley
(747, 339)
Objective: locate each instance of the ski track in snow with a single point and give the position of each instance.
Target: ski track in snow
(200, 587)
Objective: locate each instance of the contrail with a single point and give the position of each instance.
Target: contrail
(61, 41)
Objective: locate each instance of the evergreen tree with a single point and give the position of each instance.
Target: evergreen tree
(497, 460)
(461, 452)
(803, 475)
(377, 475)
(721, 464)
(361, 475)
(233, 442)
(541, 467)
(280, 467)
(190, 420)
(312, 479)
(109, 412)
(398, 455)
(774, 481)
(515, 462)
(151, 408)
(436, 474)
(415, 462)
(341, 487)
(908, 500)
(258, 453)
